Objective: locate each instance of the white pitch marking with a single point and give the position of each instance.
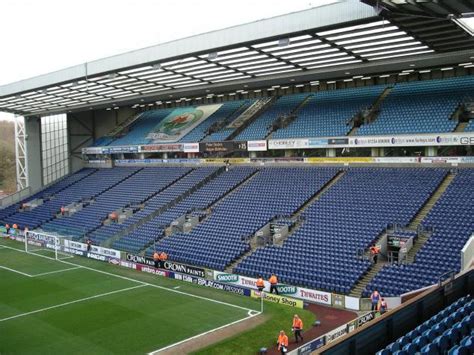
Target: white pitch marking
(251, 313)
(55, 272)
(16, 271)
(71, 302)
(176, 287)
(133, 280)
(200, 335)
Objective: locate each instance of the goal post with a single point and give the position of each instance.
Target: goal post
(47, 245)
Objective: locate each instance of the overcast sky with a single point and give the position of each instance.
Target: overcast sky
(38, 37)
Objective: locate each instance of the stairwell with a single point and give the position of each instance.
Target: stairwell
(255, 116)
(123, 125)
(296, 214)
(360, 286)
(108, 242)
(293, 112)
(225, 120)
(461, 126)
(423, 212)
(373, 111)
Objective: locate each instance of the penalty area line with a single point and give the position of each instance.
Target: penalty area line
(138, 281)
(250, 313)
(15, 271)
(56, 271)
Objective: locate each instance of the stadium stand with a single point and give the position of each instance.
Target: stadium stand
(223, 133)
(46, 193)
(133, 191)
(409, 108)
(223, 237)
(159, 211)
(348, 217)
(165, 178)
(452, 224)
(328, 112)
(448, 332)
(87, 188)
(420, 107)
(224, 114)
(259, 129)
(141, 127)
(197, 202)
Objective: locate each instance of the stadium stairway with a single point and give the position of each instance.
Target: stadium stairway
(121, 127)
(297, 214)
(461, 126)
(110, 241)
(255, 116)
(420, 216)
(361, 285)
(293, 112)
(374, 110)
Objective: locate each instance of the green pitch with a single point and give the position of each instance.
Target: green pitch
(81, 306)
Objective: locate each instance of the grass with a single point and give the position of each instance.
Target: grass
(264, 335)
(97, 313)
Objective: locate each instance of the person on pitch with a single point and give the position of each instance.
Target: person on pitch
(89, 244)
(282, 342)
(163, 257)
(297, 327)
(273, 283)
(260, 284)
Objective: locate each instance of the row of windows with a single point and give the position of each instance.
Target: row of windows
(54, 147)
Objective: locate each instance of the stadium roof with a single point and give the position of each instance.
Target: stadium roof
(331, 41)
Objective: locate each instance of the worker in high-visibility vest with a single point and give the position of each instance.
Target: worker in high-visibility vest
(283, 342)
(273, 283)
(163, 257)
(374, 251)
(260, 284)
(297, 327)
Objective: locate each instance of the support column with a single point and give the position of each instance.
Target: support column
(252, 155)
(431, 151)
(32, 152)
(374, 152)
(165, 155)
(331, 152)
(141, 156)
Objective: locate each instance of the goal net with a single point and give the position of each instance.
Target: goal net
(48, 245)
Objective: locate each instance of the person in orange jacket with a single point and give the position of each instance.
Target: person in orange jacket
(297, 327)
(374, 252)
(283, 342)
(273, 284)
(163, 257)
(260, 283)
(156, 258)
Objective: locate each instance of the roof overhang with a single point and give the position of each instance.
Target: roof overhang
(319, 43)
